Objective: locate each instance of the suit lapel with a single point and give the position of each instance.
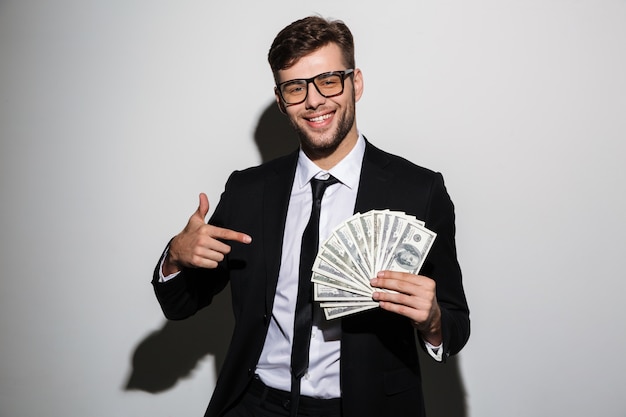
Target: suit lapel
(374, 183)
(276, 196)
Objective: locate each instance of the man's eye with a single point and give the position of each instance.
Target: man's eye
(293, 89)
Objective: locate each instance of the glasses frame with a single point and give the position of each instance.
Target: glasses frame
(343, 75)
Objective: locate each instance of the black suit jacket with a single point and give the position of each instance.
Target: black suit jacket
(380, 373)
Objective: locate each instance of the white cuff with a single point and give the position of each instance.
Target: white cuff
(435, 351)
(163, 278)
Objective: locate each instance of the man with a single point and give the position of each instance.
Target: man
(364, 364)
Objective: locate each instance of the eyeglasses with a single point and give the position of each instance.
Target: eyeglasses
(328, 84)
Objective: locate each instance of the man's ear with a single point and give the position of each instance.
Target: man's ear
(358, 84)
(279, 102)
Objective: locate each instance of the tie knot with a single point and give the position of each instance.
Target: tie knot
(319, 186)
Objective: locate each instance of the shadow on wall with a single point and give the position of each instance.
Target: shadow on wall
(171, 353)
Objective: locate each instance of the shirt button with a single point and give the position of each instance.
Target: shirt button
(312, 335)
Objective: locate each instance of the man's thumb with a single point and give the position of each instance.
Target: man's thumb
(203, 208)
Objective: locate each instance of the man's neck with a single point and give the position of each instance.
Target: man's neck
(328, 159)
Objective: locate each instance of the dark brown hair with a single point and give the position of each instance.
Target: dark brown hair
(307, 35)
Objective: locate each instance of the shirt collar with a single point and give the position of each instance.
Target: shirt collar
(347, 171)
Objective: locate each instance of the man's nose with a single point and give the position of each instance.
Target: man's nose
(314, 98)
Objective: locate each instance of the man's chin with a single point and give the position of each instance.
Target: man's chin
(319, 146)
(323, 142)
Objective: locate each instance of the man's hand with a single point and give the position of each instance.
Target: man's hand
(197, 246)
(415, 298)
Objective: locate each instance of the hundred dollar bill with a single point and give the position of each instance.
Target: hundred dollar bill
(336, 312)
(349, 242)
(335, 254)
(385, 225)
(361, 240)
(332, 304)
(410, 218)
(378, 227)
(411, 249)
(397, 223)
(326, 272)
(366, 221)
(418, 221)
(339, 284)
(323, 292)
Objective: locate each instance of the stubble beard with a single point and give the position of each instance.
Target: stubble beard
(326, 143)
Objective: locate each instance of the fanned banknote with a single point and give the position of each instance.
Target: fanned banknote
(360, 247)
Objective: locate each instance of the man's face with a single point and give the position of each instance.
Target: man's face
(323, 123)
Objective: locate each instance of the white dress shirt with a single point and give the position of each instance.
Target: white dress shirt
(322, 378)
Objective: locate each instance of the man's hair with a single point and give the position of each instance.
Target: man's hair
(307, 35)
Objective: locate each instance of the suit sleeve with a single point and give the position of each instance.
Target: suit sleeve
(193, 288)
(188, 292)
(442, 266)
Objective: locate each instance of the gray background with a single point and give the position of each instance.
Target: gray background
(114, 115)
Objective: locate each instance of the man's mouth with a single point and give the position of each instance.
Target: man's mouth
(319, 119)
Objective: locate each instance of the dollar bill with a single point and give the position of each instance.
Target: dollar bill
(340, 284)
(336, 312)
(411, 249)
(361, 241)
(344, 236)
(333, 252)
(366, 224)
(360, 247)
(326, 272)
(323, 292)
(397, 224)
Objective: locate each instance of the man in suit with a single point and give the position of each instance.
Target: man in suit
(364, 364)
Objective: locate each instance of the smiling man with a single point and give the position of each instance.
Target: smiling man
(285, 358)
(324, 120)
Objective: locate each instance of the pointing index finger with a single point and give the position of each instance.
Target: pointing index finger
(228, 234)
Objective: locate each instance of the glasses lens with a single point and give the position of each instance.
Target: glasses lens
(329, 84)
(294, 91)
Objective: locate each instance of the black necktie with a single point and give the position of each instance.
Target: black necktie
(304, 302)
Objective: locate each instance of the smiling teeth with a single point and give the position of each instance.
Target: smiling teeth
(320, 118)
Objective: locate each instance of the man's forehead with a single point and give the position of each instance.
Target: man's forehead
(324, 59)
